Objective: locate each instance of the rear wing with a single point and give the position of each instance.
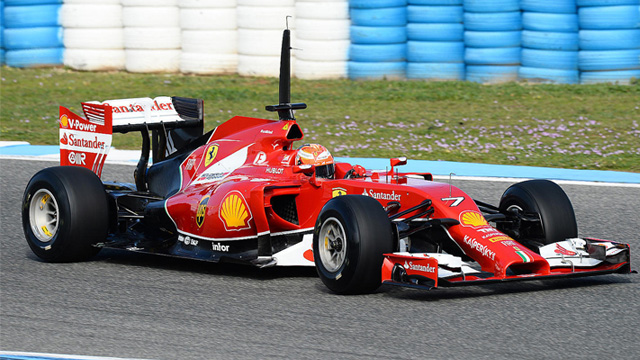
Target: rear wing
(172, 122)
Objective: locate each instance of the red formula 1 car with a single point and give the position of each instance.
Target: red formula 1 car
(244, 192)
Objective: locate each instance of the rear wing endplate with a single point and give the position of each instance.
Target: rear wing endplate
(172, 123)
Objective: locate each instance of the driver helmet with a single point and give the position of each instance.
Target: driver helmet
(318, 155)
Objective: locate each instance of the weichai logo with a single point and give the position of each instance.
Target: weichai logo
(202, 210)
(234, 212)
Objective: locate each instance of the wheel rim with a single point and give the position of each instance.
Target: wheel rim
(43, 215)
(332, 245)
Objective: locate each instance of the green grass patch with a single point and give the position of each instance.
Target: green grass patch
(567, 126)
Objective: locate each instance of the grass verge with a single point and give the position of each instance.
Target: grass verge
(567, 126)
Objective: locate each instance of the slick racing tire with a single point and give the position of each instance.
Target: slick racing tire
(546, 200)
(65, 214)
(350, 237)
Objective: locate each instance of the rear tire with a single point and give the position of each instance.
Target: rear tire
(550, 202)
(65, 214)
(351, 235)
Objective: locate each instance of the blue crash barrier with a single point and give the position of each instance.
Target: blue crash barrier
(435, 71)
(502, 21)
(492, 56)
(434, 14)
(550, 59)
(394, 16)
(33, 38)
(378, 34)
(492, 39)
(547, 6)
(435, 32)
(589, 60)
(622, 76)
(609, 17)
(609, 39)
(376, 70)
(542, 75)
(491, 73)
(606, 2)
(491, 5)
(435, 51)
(378, 52)
(375, 4)
(34, 57)
(550, 22)
(550, 40)
(31, 16)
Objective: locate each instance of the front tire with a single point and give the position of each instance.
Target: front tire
(350, 237)
(551, 204)
(65, 214)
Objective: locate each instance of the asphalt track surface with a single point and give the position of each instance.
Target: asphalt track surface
(130, 305)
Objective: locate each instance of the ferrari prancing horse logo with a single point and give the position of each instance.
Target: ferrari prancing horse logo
(210, 154)
(338, 192)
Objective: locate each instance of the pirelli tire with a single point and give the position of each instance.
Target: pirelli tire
(350, 237)
(65, 214)
(545, 200)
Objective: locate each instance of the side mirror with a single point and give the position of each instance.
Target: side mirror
(399, 161)
(307, 169)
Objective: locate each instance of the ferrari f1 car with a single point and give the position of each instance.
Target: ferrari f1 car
(244, 193)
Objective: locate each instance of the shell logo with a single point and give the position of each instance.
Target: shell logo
(472, 219)
(210, 154)
(64, 121)
(234, 212)
(202, 210)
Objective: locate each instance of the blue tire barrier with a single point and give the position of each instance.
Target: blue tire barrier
(376, 71)
(550, 59)
(2, 57)
(30, 2)
(606, 2)
(621, 76)
(546, 76)
(435, 51)
(492, 56)
(31, 16)
(33, 38)
(378, 53)
(434, 14)
(590, 60)
(609, 39)
(492, 39)
(546, 6)
(34, 57)
(396, 16)
(487, 74)
(435, 71)
(434, 2)
(435, 32)
(609, 17)
(505, 21)
(378, 34)
(491, 5)
(376, 4)
(550, 22)
(567, 41)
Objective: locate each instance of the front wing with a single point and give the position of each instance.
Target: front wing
(569, 258)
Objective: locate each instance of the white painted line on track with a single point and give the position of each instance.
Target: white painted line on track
(42, 356)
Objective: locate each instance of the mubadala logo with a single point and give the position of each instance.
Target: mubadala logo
(382, 196)
(219, 247)
(417, 267)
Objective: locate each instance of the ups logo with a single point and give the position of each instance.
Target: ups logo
(202, 210)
